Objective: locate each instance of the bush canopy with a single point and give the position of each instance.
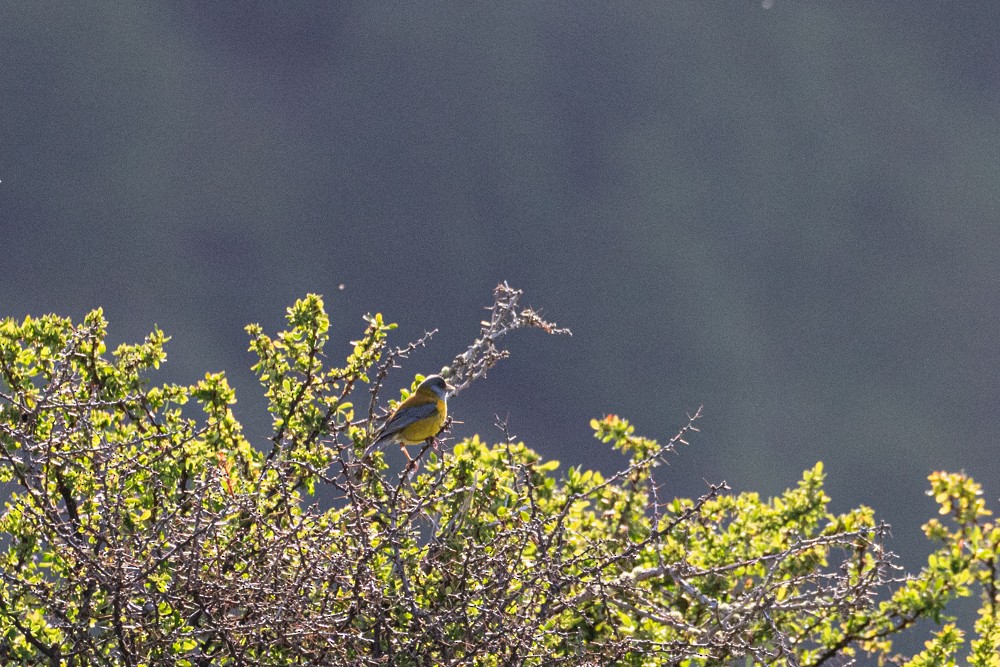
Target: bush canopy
(143, 528)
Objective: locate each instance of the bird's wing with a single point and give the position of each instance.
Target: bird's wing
(403, 418)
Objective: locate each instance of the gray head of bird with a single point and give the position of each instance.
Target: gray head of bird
(437, 384)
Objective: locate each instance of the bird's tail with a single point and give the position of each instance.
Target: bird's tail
(380, 439)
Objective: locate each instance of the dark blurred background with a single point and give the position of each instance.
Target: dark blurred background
(787, 214)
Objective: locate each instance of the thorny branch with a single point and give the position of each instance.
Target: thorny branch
(484, 353)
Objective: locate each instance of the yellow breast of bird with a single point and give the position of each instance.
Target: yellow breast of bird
(425, 428)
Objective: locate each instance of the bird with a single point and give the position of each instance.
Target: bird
(420, 417)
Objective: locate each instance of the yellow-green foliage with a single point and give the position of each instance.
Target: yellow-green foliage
(142, 532)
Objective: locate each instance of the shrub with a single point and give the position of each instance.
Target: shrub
(139, 533)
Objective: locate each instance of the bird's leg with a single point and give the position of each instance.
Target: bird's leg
(411, 463)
